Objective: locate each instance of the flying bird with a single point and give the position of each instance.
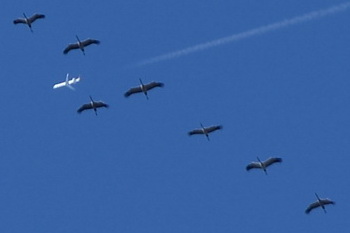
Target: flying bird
(319, 203)
(263, 165)
(29, 20)
(205, 130)
(68, 83)
(92, 105)
(80, 45)
(143, 88)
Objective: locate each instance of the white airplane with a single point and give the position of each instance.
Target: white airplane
(68, 83)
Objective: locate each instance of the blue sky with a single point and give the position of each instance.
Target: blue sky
(133, 168)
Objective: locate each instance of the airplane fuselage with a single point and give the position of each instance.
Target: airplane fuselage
(67, 83)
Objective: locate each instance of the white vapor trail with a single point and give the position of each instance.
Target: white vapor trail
(253, 32)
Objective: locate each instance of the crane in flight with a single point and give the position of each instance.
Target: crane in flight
(80, 45)
(143, 88)
(319, 203)
(29, 20)
(263, 164)
(205, 130)
(93, 105)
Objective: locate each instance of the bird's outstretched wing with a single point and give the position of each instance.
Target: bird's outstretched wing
(195, 131)
(70, 47)
(312, 206)
(20, 20)
(89, 42)
(213, 128)
(151, 85)
(270, 161)
(84, 107)
(35, 17)
(132, 91)
(100, 104)
(253, 165)
(327, 202)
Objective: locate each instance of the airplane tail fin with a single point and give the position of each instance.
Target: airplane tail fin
(77, 79)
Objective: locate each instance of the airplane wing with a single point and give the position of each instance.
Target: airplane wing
(71, 87)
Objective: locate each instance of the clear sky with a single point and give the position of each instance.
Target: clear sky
(133, 168)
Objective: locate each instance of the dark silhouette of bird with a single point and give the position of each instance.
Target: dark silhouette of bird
(263, 165)
(205, 130)
(80, 45)
(319, 203)
(29, 20)
(143, 88)
(92, 105)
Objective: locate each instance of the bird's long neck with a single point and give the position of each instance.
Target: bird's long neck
(78, 39)
(261, 163)
(142, 86)
(143, 89)
(92, 101)
(318, 198)
(28, 22)
(81, 46)
(204, 131)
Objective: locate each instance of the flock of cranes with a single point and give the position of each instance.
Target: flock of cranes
(99, 104)
(144, 88)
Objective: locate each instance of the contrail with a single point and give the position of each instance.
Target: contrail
(253, 32)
